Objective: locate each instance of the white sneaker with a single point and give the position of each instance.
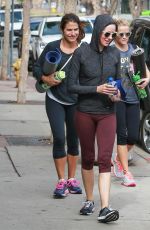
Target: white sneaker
(128, 180)
(117, 168)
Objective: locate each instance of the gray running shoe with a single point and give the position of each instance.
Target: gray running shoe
(107, 215)
(88, 208)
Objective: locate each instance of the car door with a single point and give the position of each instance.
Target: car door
(145, 43)
(145, 122)
(141, 37)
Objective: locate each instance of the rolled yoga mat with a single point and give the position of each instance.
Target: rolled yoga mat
(139, 70)
(52, 59)
(138, 61)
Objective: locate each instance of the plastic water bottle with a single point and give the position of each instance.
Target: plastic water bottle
(111, 81)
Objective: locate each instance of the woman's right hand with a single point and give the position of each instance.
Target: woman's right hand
(107, 89)
(50, 80)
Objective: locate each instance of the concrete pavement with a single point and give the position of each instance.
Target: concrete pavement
(28, 177)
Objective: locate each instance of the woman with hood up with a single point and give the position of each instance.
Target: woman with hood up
(91, 66)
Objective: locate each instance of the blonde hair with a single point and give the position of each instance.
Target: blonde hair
(122, 22)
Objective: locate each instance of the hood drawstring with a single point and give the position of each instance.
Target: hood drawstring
(101, 65)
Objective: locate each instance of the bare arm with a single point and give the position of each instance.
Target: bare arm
(144, 81)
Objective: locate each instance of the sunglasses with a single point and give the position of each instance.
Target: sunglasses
(124, 34)
(108, 34)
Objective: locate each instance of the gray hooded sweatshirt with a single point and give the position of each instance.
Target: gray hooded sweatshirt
(90, 68)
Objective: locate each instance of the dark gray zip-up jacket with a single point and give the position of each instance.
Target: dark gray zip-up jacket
(90, 68)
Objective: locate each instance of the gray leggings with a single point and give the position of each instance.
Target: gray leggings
(60, 115)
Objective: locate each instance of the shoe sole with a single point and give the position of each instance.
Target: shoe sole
(129, 185)
(74, 192)
(87, 214)
(113, 216)
(57, 196)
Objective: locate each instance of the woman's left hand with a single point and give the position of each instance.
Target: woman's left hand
(142, 83)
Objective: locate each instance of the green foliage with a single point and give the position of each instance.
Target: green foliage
(145, 13)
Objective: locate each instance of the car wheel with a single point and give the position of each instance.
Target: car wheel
(145, 132)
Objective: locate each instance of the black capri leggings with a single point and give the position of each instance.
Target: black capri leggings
(59, 115)
(128, 122)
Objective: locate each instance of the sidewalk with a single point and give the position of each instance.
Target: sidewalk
(28, 177)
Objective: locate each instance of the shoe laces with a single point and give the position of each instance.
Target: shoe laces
(129, 175)
(73, 182)
(87, 203)
(61, 184)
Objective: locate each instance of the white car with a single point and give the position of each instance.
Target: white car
(17, 23)
(49, 30)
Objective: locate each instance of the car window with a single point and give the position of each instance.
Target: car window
(34, 25)
(17, 16)
(2, 17)
(51, 28)
(92, 20)
(87, 28)
(145, 43)
(136, 34)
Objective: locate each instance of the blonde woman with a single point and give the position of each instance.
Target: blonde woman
(128, 111)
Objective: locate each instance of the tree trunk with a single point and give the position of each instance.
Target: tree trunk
(21, 95)
(135, 8)
(70, 6)
(114, 4)
(5, 56)
(96, 6)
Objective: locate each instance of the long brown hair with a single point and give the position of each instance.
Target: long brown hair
(73, 18)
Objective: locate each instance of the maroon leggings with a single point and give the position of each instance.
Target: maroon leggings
(103, 127)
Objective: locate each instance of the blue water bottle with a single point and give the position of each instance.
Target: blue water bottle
(111, 81)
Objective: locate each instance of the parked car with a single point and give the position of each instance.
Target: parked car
(140, 28)
(49, 30)
(17, 24)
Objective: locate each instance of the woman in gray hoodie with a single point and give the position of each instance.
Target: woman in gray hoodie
(91, 66)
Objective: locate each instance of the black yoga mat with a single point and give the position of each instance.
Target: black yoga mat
(138, 61)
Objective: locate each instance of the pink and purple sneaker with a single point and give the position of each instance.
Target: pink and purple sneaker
(61, 190)
(73, 186)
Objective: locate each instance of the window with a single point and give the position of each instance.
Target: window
(87, 28)
(17, 16)
(125, 7)
(137, 32)
(34, 25)
(2, 17)
(51, 28)
(145, 43)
